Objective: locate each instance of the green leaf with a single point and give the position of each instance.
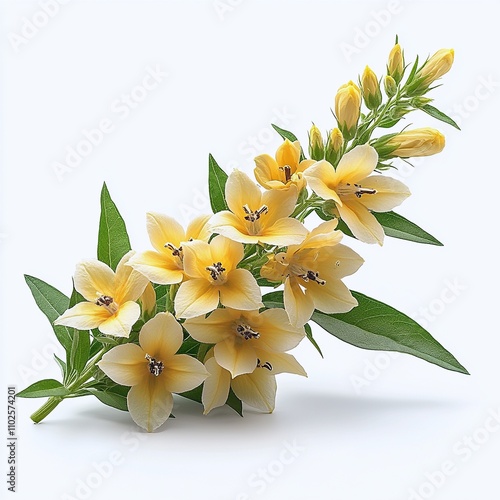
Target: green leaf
(234, 403)
(80, 350)
(113, 241)
(162, 292)
(52, 303)
(217, 179)
(193, 394)
(44, 389)
(439, 115)
(62, 366)
(286, 134)
(397, 226)
(310, 337)
(114, 398)
(376, 326)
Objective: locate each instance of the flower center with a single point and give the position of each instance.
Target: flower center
(216, 271)
(155, 367)
(266, 365)
(247, 332)
(176, 252)
(355, 189)
(255, 215)
(312, 276)
(287, 171)
(108, 303)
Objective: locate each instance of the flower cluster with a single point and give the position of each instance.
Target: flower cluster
(188, 315)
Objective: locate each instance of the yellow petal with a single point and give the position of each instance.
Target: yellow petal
(276, 332)
(83, 316)
(266, 171)
(280, 203)
(215, 328)
(148, 300)
(161, 336)
(334, 297)
(257, 389)
(183, 373)
(346, 261)
(196, 297)
(235, 356)
(216, 386)
(93, 279)
(125, 364)
(231, 226)
(284, 232)
(120, 324)
(198, 228)
(322, 236)
(240, 291)
(157, 267)
(361, 222)
(298, 305)
(197, 256)
(227, 251)
(288, 154)
(322, 179)
(280, 363)
(304, 165)
(149, 403)
(390, 193)
(129, 283)
(163, 229)
(357, 164)
(241, 191)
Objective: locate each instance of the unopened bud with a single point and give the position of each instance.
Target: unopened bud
(371, 89)
(390, 86)
(418, 142)
(334, 146)
(396, 63)
(347, 108)
(316, 144)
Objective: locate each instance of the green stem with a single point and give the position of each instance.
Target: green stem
(46, 408)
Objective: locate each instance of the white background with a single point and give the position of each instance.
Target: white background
(363, 425)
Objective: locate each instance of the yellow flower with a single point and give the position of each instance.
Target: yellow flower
(153, 370)
(258, 217)
(371, 89)
(164, 264)
(257, 389)
(356, 192)
(418, 142)
(347, 108)
(437, 66)
(312, 273)
(111, 297)
(396, 63)
(213, 275)
(285, 170)
(243, 339)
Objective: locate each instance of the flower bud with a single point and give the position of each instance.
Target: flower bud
(347, 108)
(396, 63)
(371, 89)
(438, 65)
(390, 86)
(334, 146)
(148, 302)
(418, 142)
(316, 144)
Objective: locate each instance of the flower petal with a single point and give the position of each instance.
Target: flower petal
(322, 179)
(125, 364)
(161, 336)
(334, 297)
(149, 403)
(266, 171)
(276, 332)
(93, 279)
(257, 389)
(361, 222)
(197, 256)
(196, 297)
(298, 305)
(323, 236)
(120, 324)
(183, 373)
(83, 316)
(216, 386)
(284, 232)
(241, 291)
(280, 203)
(129, 283)
(158, 267)
(346, 260)
(215, 328)
(241, 191)
(357, 164)
(163, 229)
(280, 363)
(227, 251)
(198, 228)
(235, 356)
(231, 226)
(390, 193)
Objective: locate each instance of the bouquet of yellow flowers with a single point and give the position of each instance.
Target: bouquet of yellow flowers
(188, 316)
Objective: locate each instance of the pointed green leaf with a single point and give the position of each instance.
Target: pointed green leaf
(439, 115)
(112, 397)
(52, 303)
(162, 292)
(286, 134)
(311, 339)
(80, 350)
(217, 179)
(62, 366)
(113, 241)
(234, 403)
(44, 389)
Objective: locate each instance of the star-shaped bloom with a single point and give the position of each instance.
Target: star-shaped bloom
(257, 389)
(243, 339)
(153, 370)
(258, 217)
(163, 265)
(213, 276)
(356, 192)
(111, 297)
(284, 170)
(312, 274)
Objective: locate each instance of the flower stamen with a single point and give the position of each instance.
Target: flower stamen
(287, 170)
(267, 365)
(255, 215)
(355, 189)
(312, 276)
(215, 270)
(176, 252)
(155, 367)
(107, 302)
(247, 332)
